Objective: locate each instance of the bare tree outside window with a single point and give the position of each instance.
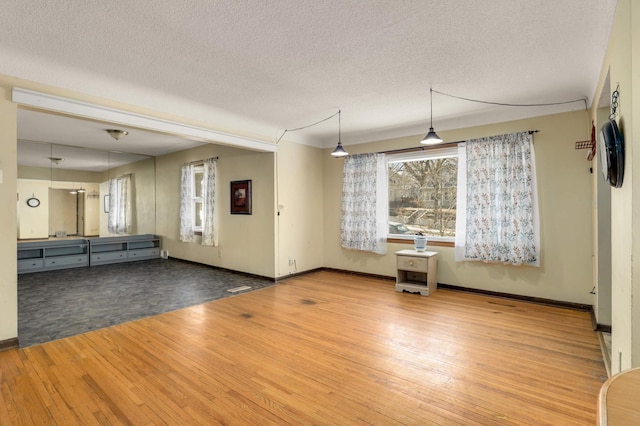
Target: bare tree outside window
(422, 196)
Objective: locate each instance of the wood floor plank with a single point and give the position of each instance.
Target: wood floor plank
(322, 348)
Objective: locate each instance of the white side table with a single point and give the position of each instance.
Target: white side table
(417, 271)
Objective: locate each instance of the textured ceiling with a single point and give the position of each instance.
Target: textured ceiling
(257, 67)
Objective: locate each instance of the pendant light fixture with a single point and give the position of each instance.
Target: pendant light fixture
(339, 151)
(432, 137)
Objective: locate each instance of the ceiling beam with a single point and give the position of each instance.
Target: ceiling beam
(98, 112)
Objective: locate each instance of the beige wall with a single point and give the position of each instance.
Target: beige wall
(623, 66)
(63, 212)
(564, 190)
(33, 222)
(92, 210)
(8, 218)
(44, 220)
(246, 242)
(300, 223)
(601, 193)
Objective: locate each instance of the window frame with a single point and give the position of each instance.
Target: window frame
(418, 155)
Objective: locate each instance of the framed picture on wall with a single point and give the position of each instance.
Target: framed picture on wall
(241, 197)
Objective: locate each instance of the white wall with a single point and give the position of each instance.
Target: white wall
(564, 190)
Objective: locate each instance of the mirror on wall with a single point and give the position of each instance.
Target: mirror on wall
(72, 187)
(72, 164)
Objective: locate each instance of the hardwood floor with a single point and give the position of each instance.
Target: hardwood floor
(324, 348)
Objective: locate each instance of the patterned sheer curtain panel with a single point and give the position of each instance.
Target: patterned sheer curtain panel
(120, 218)
(365, 206)
(497, 215)
(209, 226)
(186, 204)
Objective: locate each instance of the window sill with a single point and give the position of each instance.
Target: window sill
(429, 242)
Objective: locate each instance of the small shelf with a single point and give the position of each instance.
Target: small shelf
(106, 247)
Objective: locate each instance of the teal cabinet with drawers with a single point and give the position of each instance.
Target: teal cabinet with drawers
(124, 249)
(36, 256)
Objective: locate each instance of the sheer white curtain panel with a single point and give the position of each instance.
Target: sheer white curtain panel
(365, 206)
(186, 204)
(497, 201)
(120, 219)
(209, 226)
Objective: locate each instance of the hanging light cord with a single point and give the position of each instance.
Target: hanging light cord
(512, 105)
(307, 126)
(584, 100)
(431, 105)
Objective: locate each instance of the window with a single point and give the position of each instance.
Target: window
(198, 212)
(422, 193)
(197, 200)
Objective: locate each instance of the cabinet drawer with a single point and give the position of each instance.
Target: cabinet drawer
(66, 260)
(29, 264)
(108, 256)
(149, 252)
(408, 263)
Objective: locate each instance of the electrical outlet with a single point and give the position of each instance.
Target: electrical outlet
(292, 261)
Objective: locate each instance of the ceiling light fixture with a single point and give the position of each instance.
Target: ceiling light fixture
(339, 151)
(117, 134)
(432, 137)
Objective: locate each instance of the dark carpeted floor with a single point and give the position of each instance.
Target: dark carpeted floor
(57, 304)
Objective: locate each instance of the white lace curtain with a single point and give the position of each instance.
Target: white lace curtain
(365, 206)
(120, 219)
(186, 204)
(209, 225)
(497, 202)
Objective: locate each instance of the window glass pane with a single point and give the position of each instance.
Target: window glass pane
(199, 212)
(422, 196)
(198, 181)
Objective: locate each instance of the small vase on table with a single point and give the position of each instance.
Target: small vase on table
(420, 242)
